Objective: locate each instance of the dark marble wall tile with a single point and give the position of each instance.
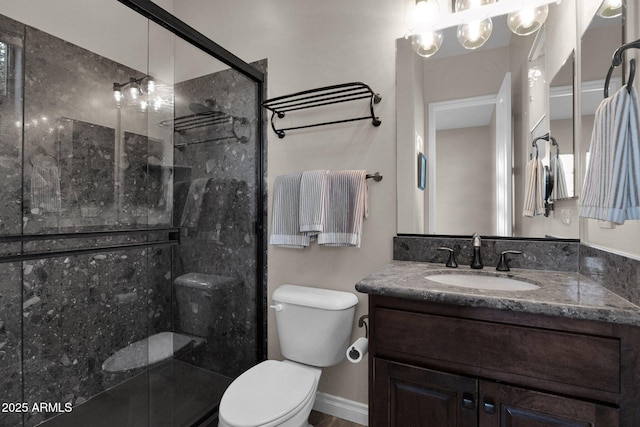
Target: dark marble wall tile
(78, 311)
(10, 341)
(618, 273)
(536, 254)
(11, 39)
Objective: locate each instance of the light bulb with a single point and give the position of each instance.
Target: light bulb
(422, 14)
(151, 86)
(527, 21)
(134, 91)
(475, 34)
(426, 44)
(610, 9)
(117, 93)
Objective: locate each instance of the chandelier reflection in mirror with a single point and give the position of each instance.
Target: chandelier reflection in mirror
(610, 9)
(425, 21)
(143, 93)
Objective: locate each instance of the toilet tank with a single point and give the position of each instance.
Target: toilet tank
(314, 325)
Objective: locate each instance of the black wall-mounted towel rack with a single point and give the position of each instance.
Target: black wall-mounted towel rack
(318, 97)
(616, 60)
(195, 121)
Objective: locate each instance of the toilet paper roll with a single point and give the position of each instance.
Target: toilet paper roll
(357, 350)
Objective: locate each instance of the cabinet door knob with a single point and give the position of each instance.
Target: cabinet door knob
(468, 401)
(489, 407)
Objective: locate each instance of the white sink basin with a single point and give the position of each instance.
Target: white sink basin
(477, 281)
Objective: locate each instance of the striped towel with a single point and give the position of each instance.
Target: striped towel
(285, 221)
(560, 188)
(633, 162)
(533, 199)
(313, 191)
(611, 189)
(45, 190)
(346, 207)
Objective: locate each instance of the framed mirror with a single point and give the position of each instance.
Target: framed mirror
(471, 111)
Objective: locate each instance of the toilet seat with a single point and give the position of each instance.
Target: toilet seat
(273, 390)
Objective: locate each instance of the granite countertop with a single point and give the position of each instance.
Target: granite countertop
(560, 294)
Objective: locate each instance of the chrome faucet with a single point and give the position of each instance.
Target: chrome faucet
(477, 257)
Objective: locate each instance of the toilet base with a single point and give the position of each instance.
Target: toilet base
(297, 419)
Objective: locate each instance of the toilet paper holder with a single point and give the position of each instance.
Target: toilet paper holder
(362, 322)
(358, 350)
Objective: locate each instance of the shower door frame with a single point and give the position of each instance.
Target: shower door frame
(156, 14)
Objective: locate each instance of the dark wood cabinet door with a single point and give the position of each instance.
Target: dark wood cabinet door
(408, 396)
(504, 406)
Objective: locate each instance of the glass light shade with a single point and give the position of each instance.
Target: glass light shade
(610, 8)
(151, 85)
(527, 21)
(117, 94)
(475, 34)
(422, 14)
(426, 44)
(134, 91)
(461, 5)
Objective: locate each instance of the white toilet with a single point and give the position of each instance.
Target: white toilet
(314, 329)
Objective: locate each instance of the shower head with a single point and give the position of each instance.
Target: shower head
(206, 108)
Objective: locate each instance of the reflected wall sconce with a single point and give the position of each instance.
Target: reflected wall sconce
(472, 35)
(610, 9)
(133, 90)
(425, 21)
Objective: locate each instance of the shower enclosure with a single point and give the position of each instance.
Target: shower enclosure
(131, 157)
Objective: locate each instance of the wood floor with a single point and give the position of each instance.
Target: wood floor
(318, 419)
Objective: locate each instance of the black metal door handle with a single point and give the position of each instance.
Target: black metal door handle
(468, 401)
(489, 407)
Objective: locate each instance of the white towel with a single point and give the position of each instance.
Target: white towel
(45, 190)
(313, 192)
(534, 198)
(346, 207)
(560, 183)
(611, 189)
(285, 222)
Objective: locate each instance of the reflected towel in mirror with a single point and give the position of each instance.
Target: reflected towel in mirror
(534, 198)
(193, 204)
(560, 190)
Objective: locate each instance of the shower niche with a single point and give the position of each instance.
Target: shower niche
(99, 164)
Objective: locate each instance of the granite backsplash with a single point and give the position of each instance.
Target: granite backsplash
(537, 254)
(618, 273)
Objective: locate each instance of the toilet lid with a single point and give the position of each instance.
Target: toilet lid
(266, 392)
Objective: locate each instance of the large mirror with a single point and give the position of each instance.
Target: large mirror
(471, 113)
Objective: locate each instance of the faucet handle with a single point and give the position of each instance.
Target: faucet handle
(451, 262)
(503, 265)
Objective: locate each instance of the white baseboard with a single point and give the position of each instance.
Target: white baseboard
(340, 407)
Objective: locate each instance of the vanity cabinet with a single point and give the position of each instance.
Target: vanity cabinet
(442, 365)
